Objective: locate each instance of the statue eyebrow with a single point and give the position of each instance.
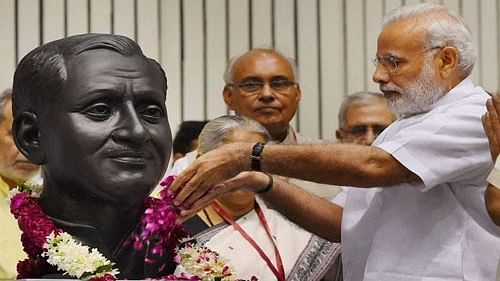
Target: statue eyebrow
(97, 94)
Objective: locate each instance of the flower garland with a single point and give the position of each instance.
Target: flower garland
(51, 250)
(203, 264)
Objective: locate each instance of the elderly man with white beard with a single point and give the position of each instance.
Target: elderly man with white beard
(415, 210)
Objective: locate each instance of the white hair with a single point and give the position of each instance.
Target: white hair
(416, 97)
(361, 98)
(448, 29)
(216, 132)
(228, 73)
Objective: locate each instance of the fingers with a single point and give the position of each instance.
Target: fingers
(494, 116)
(192, 188)
(197, 193)
(491, 125)
(487, 128)
(493, 106)
(180, 186)
(182, 178)
(202, 202)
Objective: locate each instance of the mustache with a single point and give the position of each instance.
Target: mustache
(126, 151)
(388, 88)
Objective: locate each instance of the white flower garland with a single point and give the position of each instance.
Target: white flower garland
(79, 261)
(202, 262)
(68, 254)
(75, 259)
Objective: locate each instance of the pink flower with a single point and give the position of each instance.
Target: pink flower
(33, 268)
(167, 182)
(36, 226)
(158, 225)
(107, 277)
(182, 276)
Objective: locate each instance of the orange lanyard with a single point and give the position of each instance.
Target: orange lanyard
(278, 271)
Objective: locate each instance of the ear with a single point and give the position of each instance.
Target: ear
(228, 97)
(448, 61)
(27, 137)
(299, 93)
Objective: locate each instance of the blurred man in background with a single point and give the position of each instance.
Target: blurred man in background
(14, 169)
(186, 138)
(362, 117)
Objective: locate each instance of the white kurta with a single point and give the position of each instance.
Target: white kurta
(437, 229)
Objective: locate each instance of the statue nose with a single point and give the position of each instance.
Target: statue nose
(130, 127)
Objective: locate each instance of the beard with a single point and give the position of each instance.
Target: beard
(417, 97)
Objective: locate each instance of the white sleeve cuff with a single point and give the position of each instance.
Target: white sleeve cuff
(494, 176)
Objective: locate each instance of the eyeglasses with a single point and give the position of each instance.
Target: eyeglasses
(254, 87)
(361, 131)
(391, 63)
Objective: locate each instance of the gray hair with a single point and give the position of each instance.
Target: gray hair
(216, 132)
(449, 29)
(358, 98)
(5, 96)
(228, 73)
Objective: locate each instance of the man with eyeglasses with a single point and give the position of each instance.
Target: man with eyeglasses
(362, 117)
(261, 85)
(418, 212)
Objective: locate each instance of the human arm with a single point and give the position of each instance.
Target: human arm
(341, 164)
(313, 213)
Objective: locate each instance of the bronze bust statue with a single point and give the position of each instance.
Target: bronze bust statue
(91, 110)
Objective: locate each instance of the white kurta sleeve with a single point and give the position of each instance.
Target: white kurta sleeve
(442, 147)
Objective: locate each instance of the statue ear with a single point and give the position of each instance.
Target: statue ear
(27, 137)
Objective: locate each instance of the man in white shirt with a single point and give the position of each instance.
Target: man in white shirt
(261, 85)
(419, 212)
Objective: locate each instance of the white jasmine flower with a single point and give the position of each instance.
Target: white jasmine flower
(75, 259)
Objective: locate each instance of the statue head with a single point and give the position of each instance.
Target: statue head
(91, 109)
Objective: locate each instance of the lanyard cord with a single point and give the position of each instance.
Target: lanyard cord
(208, 217)
(279, 272)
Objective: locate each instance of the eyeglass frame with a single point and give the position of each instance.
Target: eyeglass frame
(391, 63)
(262, 85)
(376, 129)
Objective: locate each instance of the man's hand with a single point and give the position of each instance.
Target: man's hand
(206, 174)
(491, 124)
(245, 181)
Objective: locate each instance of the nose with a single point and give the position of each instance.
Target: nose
(130, 127)
(266, 93)
(370, 136)
(380, 75)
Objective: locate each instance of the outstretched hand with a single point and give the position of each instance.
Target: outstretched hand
(491, 124)
(245, 181)
(209, 171)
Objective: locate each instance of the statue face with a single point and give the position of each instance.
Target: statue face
(107, 136)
